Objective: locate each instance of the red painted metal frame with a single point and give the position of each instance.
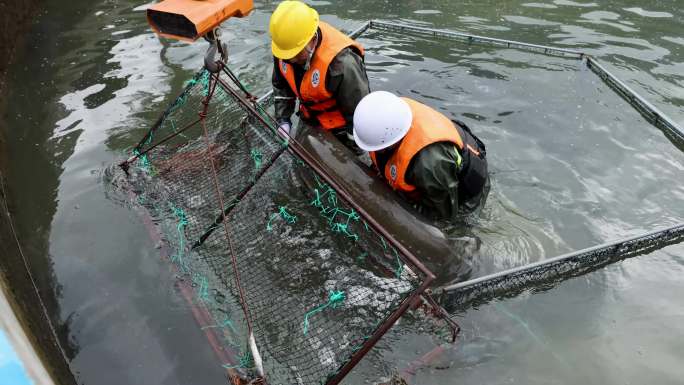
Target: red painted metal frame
(404, 253)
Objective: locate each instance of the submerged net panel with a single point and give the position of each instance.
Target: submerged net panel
(318, 280)
(547, 274)
(468, 38)
(543, 275)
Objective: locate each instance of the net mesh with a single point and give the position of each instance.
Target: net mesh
(546, 275)
(318, 281)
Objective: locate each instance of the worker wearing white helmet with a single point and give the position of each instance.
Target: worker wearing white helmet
(317, 65)
(422, 154)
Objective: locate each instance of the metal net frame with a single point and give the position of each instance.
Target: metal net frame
(297, 281)
(546, 274)
(640, 104)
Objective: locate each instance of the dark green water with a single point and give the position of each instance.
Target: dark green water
(573, 166)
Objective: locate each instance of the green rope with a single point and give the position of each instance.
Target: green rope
(289, 218)
(141, 200)
(257, 156)
(245, 361)
(365, 225)
(177, 103)
(205, 83)
(344, 229)
(400, 268)
(191, 83)
(384, 244)
(358, 347)
(203, 283)
(180, 228)
(335, 298)
(143, 161)
(183, 97)
(330, 210)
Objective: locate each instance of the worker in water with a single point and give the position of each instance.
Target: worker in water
(317, 65)
(434, 162)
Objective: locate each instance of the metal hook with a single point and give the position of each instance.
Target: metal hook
(210, 62)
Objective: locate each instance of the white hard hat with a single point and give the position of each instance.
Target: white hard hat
(381, 119)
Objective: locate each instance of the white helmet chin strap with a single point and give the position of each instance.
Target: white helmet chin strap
(310, 51)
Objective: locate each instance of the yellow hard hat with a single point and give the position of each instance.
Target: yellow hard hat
(292, 26)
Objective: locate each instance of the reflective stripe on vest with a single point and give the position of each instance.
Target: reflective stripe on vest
(315, 101)
(428, 127)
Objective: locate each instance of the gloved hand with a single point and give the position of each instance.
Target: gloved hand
(285, 126)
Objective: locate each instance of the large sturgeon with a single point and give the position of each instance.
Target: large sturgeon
(427, 242)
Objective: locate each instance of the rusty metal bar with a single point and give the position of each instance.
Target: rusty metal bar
(465, 37)
(379, 332)
(648, 110)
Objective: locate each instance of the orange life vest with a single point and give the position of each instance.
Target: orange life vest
(428, 127)
(315, 101)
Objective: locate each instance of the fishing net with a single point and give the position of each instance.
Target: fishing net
(317, 280)
(547, 274)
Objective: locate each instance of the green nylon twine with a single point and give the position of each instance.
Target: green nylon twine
(400, 265)
(245, 361)
(143, 161)
(326, 202)
(203, 286)
(205, 82)
(257, 156)
(189, 85)
(289, 218)
(180, 228)
(335, 298)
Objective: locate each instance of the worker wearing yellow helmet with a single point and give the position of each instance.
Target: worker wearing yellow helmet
(318, 66)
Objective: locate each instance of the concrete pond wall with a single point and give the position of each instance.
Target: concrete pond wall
(25, 328)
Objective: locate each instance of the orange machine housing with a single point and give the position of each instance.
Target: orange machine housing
(189, 20)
